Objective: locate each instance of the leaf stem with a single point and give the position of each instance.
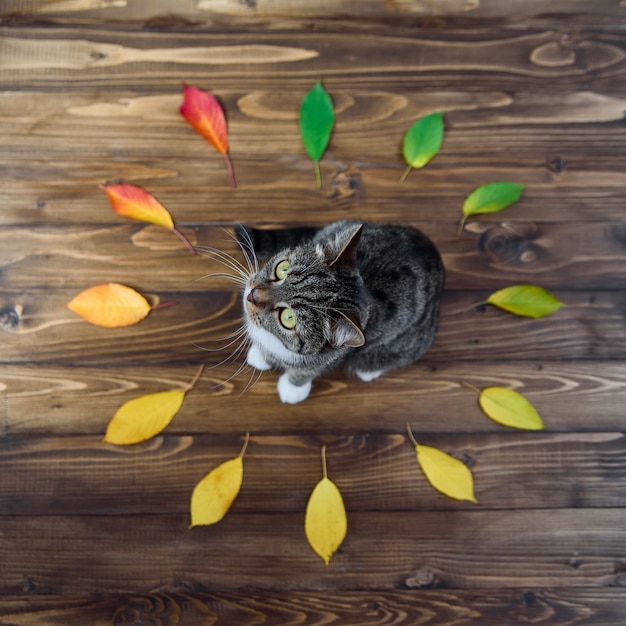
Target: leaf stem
(405, 173)
(195, 379)
(184, 240)
(231, 173)
(410, 434)
(245, 445)
(164, 305)
(318, 174)
(459, 230)
(324, 469)
(472, 387)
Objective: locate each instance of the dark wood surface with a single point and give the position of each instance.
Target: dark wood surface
(96, 534)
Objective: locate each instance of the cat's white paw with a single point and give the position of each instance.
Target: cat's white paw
(256, 359)
(367, 377)
(290, 393)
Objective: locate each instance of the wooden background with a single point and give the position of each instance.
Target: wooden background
(533, 92)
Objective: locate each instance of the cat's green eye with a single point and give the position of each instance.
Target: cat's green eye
(287, 318)
(282, 269)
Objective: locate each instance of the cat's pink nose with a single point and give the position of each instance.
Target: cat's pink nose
(260, 296)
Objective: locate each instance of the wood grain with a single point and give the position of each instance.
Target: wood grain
(38, 328)
(456, 550)
(488, 255)
(189, 13)
(583, 396)
(428, 607)
(82, 476)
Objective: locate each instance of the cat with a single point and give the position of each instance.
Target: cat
(361, 294)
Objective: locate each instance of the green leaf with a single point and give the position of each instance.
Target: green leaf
(526, 300)
(509, 408)
(316, 124)
(422, 142)
(490, 198)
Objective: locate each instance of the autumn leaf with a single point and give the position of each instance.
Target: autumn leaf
(137, 204)
(422, 142)
(213, 496)
(110, 305)
(445, 473)
(526, 300)
(316, 124)
(204, 113)
(508, 407)
(144, 417)
(490, 198)
(325, 521)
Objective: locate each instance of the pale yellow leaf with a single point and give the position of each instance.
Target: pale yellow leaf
(509, 408)
(144, 417)
(110, 305)
(325, 522)
(213, 496)
(445, 473)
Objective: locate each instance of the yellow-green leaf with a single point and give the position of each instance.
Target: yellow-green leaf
(509, 408)
(325, 522)
(110, 305)
(422, 142)
(490, 198)
(144, 417)
(526, 300)
(213, 496)
(445, 473)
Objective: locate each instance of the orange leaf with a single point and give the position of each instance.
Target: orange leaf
(137, 204)
(204, 113)
(110, 305)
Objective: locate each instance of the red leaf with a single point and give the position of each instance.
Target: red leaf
(204, 113)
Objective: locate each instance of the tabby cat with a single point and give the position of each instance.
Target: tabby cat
(363, 295)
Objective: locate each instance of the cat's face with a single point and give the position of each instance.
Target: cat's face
(305, 301)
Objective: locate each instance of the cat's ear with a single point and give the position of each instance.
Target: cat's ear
(346, 329)
(346, 255)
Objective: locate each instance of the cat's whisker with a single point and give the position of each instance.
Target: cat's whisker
(255, 377)
(247, 248)
(225, 259)
(233, 279)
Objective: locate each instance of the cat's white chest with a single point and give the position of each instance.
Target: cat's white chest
(264, 342)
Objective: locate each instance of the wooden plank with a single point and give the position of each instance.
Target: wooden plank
(579, 173)
(382, 551)
(427, 607)
(81, 476)
(510, 127)
(157, 13)
(588, 189)
(56, 400)
(438, 59)
(38, 329)
(489, 255)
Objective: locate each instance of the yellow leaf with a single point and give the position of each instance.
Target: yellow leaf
(325, 521)
(110, 305)
(143, 417)
(509, 408)
(445, 473)
(213, 496)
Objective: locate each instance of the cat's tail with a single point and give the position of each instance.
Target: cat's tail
(268, 242)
